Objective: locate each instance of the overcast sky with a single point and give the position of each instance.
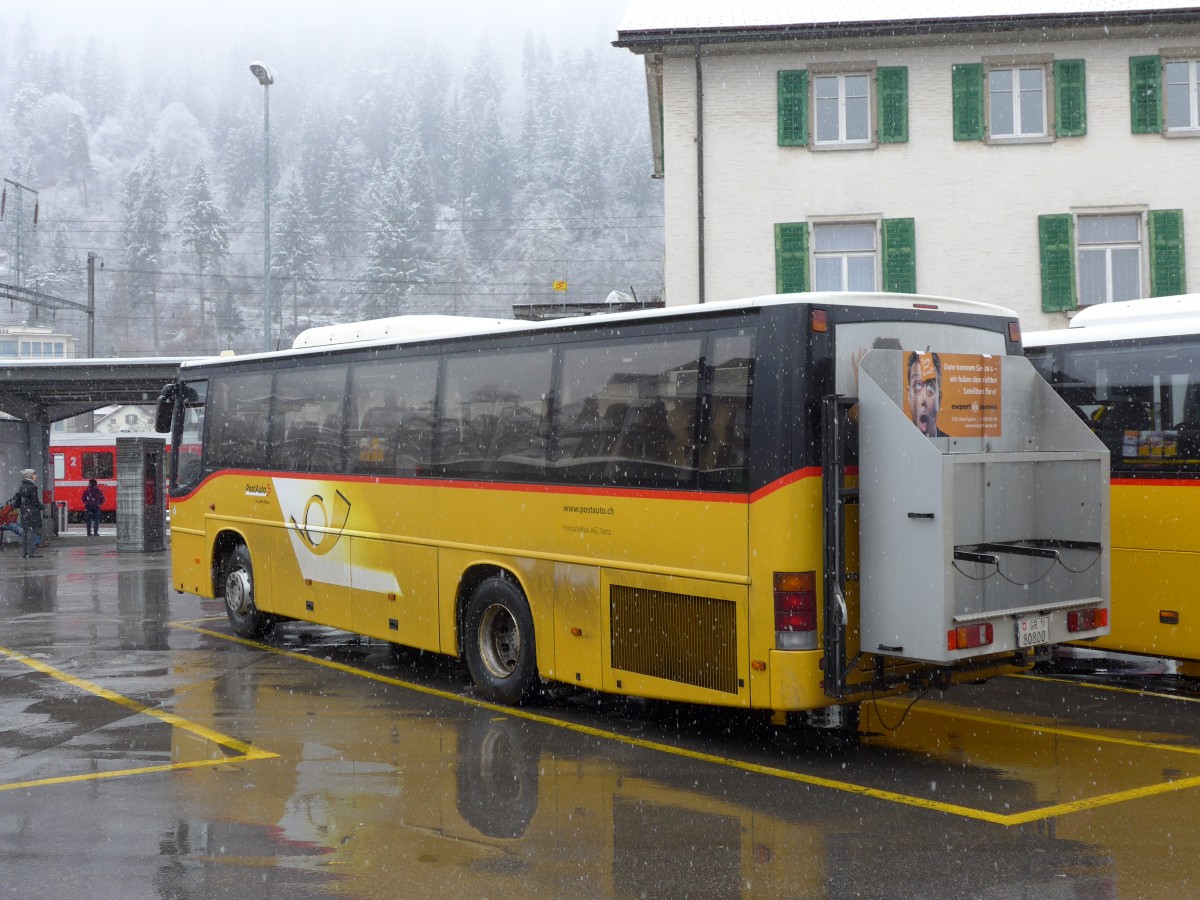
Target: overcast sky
(227, 24)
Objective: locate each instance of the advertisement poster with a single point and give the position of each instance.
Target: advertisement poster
(952, 394)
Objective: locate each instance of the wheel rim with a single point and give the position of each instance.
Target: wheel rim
(499, 641)
(237, 592)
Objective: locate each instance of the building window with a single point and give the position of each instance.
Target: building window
(1110, 258)
(844, 257)
(1183, 95)
(1017, 102)
(843, 109)
(1103, 257)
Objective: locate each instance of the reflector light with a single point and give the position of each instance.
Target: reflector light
(1086, 619)
(1168, 616)
(1014, 332)
(818, 321)
(966, 637)
(925, 306)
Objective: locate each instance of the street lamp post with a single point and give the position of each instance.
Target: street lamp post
(266, 79)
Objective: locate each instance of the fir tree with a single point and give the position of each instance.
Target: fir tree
(394, 270)
(204, 232)
(339, 199)
(294, 247)
(145, 235)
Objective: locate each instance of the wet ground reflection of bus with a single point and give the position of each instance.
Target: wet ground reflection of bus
(376, 784)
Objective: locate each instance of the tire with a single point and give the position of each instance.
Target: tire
(498, 642)
(244, 616)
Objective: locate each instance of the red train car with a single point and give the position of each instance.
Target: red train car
(81, 456)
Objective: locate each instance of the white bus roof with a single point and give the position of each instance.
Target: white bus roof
(401, 330)
(394, 328)
(1146, 318)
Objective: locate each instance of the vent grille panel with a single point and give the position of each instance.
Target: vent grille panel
(678, 637)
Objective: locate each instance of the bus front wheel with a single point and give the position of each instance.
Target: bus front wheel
(244, 616)
(498, 642)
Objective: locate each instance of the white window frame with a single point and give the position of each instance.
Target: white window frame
(1017, 92)
(1107, 248)
(1014, 64)
(841, 140)
(1193, 85)
(846, 255)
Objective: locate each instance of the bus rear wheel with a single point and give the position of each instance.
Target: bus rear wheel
(498, 642)
(244, 616)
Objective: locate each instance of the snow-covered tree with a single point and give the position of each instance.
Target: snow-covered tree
(204, 232)
(294, 266)
(339, 215)
(145, 234)
(395, 271)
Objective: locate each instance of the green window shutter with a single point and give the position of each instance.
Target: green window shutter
(899, 256)
(1070, 97)
(967, 88)
(1166, 253)
(891, 93)
(1056, 238)
(1145, 94)
(793, 108)
(791, 257)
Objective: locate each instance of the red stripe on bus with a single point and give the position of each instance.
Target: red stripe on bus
(574, 490)
(1155, 482)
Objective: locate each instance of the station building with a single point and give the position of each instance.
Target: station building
(1029, 153)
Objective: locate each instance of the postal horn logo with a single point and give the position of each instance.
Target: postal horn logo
(323, 522)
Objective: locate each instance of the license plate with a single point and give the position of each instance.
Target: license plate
(1033, 630)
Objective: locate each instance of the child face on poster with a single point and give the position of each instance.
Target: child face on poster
(925, 391)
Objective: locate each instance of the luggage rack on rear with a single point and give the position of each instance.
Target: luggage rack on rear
(990, 552)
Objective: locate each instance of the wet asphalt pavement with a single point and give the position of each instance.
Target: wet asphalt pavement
(145, 752)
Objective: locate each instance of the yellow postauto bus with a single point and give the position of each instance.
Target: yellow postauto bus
(746, 503)
(1131, 370)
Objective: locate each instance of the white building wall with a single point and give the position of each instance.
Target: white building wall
(975, 205)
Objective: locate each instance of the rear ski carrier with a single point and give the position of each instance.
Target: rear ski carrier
(976, 551)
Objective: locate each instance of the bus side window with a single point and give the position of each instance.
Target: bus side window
(725, 444)
(394, 433)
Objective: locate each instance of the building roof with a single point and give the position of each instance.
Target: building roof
(678, 21)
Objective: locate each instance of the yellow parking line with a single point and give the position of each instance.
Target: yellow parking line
(243, 750)
(1005, 819)
(961, 715)
(1137, 692)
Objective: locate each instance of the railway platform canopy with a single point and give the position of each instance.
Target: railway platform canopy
(35, 393)
(46, 390)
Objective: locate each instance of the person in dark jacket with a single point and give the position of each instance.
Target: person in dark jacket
(93, 499)
(30, 496)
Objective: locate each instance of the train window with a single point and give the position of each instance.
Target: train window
(98, 464)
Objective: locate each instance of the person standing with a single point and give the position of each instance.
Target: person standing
(29, 497)
(93, 500)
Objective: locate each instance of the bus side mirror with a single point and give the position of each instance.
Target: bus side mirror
(165, 410)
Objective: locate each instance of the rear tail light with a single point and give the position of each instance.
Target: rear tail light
(966, 637)
(796, 610)
(1087, 619)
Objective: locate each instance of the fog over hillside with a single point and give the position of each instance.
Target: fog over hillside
(437, 158)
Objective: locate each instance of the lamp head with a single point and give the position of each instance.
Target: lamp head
(262, 73)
